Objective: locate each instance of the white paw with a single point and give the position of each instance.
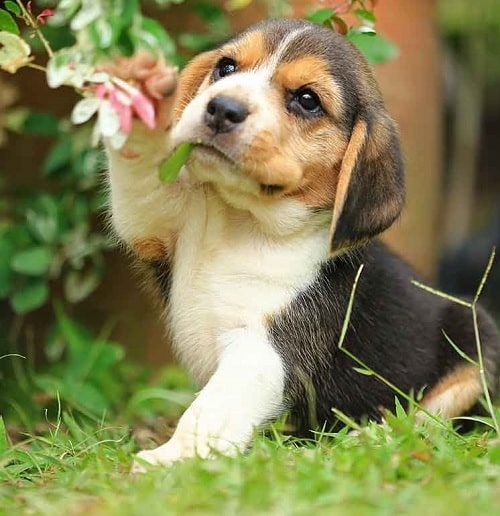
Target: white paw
(164, 455)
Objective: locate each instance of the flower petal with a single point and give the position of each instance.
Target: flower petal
(85, 109)
(121, 104)
(109, 121)
(144, 109)
(118, 140)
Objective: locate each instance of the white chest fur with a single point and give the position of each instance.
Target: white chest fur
(228, 274)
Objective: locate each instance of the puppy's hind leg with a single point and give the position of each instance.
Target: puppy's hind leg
(454, 394)
(459, 390)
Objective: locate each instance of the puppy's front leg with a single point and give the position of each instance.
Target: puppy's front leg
(146, 213)
(245, 391)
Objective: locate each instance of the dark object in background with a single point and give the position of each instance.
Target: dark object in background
(461, 270)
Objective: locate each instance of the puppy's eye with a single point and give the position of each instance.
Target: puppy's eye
(305, 102)
(308, 100)
(226, 66)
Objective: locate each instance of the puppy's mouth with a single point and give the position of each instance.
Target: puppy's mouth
(210, 150)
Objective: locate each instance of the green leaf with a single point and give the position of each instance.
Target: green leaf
(363, 371)
(6, 251)
(76, 336)
(41, 123)
(365, 16)
(170, 169)
(126, 10)
(43, 219)
(5, 281)
(32, 262)
(29, 297)
(101, 357)
(79, 285)
(86, 396)
(82, 396)
(374, 47)
(125, 44)
(320, 16)
(234, 5)
(4, 443)
(400, 411)
(8, 23)
(59, 155)
(12, 7)
(154, 36)
(196, 42)
(14, 52)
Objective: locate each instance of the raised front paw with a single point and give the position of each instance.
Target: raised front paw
(153, 77)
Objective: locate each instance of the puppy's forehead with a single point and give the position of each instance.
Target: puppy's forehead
(277, 42)
(293, 39)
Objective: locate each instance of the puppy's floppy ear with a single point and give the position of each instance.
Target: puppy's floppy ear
(191, 79)
(370, 189)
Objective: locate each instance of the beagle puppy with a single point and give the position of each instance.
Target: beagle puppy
(254, 248)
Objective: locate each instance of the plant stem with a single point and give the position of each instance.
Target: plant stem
(479, 349)
(485, 275)
(28, 18)
(482, 373)
(37, 67)
(438, 293)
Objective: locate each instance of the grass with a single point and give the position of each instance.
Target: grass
(82, 468)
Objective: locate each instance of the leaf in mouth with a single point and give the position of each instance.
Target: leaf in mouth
(170, 168)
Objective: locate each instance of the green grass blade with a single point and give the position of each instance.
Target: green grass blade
(459, 351)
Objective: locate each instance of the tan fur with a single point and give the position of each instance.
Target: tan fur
(455, 393)
(192, 78)
(151, 249)
(248, 52)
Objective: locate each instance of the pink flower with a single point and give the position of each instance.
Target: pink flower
(126, 101)
(115, 102)
(125, 97)
(44, 14)
(41, 17)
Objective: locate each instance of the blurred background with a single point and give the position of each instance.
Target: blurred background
(68, 295)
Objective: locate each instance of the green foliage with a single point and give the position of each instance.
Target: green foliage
(87, 375)
(217, 23)
(111, 27)
(375, 48)
(7, 22)
(50, 235)
(472, 32)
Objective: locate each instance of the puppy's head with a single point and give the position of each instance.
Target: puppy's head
(291, 109)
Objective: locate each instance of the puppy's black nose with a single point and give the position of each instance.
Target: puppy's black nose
(224, 114)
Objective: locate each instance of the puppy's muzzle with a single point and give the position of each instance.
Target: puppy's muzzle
(224, 114)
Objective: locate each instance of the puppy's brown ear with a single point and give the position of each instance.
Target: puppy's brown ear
(192, 78)
(370, 189)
